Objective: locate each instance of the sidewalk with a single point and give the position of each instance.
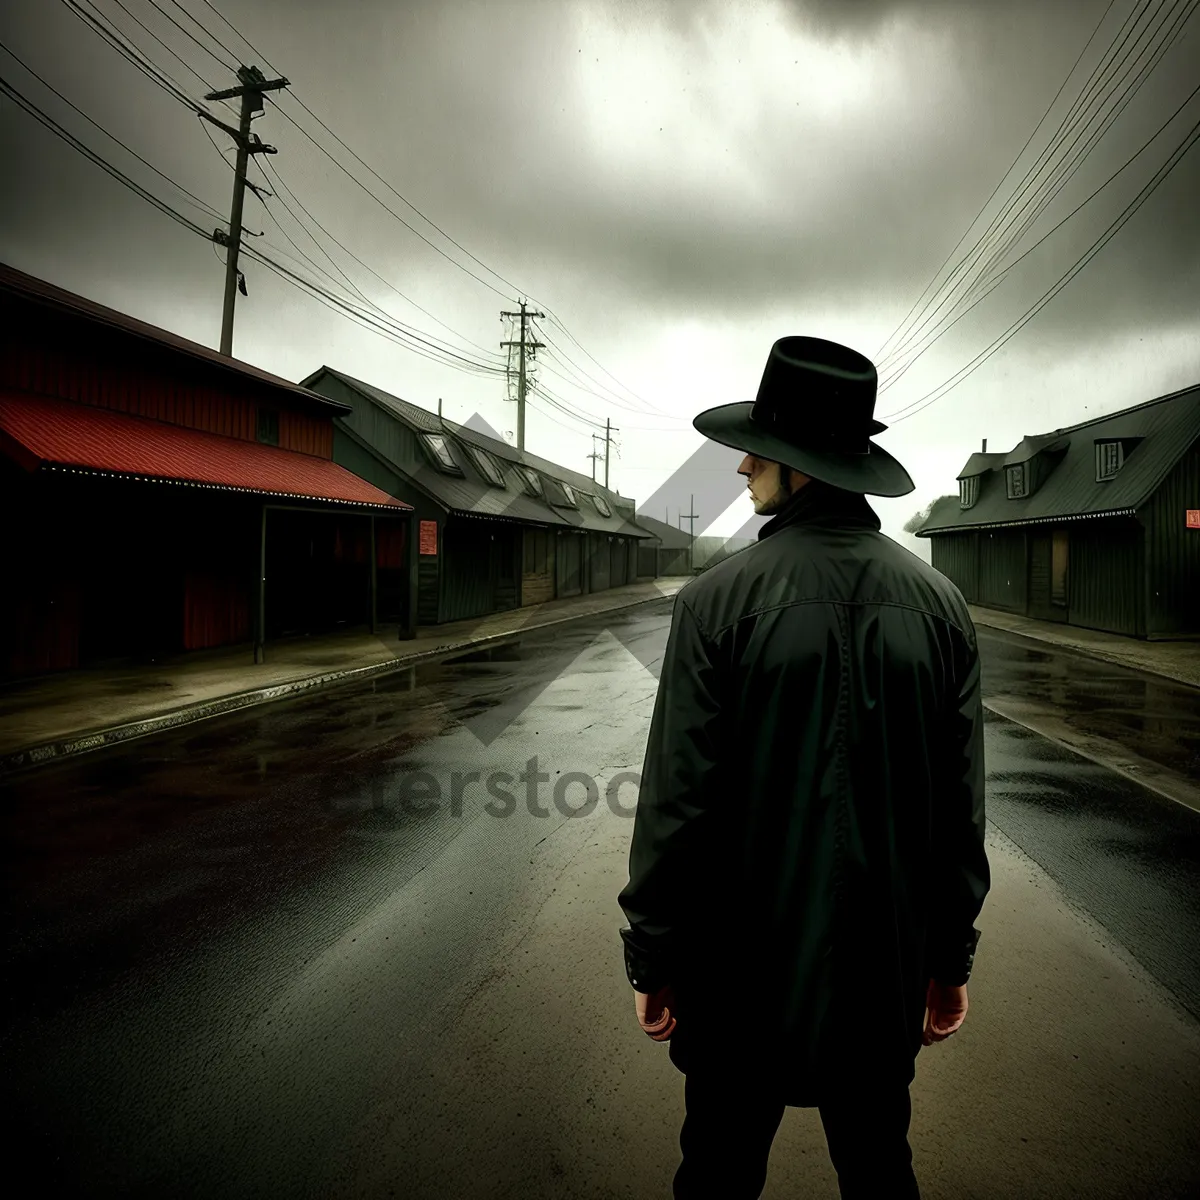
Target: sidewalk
(1177, 660)
(57, 716)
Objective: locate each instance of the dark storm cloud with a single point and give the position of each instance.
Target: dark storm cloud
(477, 112)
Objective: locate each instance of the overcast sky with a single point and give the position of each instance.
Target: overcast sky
(678, 184)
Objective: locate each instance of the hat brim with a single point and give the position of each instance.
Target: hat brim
(876, 473)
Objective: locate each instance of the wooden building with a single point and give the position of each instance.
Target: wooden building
(669, 553)
(1097, 525)
(149, 486)
(497, 528)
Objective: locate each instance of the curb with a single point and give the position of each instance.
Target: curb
(76, 744)
(1097, 655)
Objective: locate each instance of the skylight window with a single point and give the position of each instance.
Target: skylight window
(602, 506)
(1110, 458)
(437, 446)
(569, 491)
(487, 466)
(533, 482)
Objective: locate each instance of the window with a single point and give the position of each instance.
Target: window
(436, 444)
(602, 506)
(1018, 481)
(968, 491)
(569, 491)
(487, 466)
(268, 426)
(533, 482)
(1110, 457)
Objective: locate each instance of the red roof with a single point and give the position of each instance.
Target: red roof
(40, 431)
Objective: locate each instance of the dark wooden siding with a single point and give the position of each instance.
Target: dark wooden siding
(506, 545)
(1173, 552)
(1002, 569)
(956, 555)
(77, 362)
(618, 574)
(599, 562)
(1042, 603)
(647, 560)
(569, 563)
(1106, 579)
(537, 574)
(428, 589)
(468, 588)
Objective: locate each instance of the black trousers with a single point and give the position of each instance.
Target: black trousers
(730, 1125)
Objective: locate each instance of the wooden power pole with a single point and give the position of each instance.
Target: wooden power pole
(521, 375)
(253, 84)
(609, 430)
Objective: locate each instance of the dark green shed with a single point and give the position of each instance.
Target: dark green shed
(1097, 525)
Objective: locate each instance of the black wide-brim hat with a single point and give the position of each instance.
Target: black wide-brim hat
(814, 412)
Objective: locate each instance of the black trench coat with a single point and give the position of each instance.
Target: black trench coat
(808, 849)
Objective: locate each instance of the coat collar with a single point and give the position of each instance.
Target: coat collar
(818, 503)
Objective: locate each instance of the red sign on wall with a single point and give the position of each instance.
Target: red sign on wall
(1193, 520)
(428, 537)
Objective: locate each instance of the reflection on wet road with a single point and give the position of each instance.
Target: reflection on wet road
(228, 946)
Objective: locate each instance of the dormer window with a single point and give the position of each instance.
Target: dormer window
(487, 466)
(569, 492)
(1110, 457)
(602, 506)
(532, 481)
(436, 444)
(968, 491)
(1018, 481)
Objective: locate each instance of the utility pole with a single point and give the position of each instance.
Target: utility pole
(691, 515)
(521, 376)
(253, 84)
(595, 455)
(609, 430)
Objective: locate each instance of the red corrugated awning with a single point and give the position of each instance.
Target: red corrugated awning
(38, 431)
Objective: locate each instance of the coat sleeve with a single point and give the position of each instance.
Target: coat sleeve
(679, 789)
(961, 876)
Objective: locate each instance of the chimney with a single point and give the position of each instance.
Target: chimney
(985, 445)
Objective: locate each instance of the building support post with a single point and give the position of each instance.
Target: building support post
(408, 627)
(374, 583)
(260, 606)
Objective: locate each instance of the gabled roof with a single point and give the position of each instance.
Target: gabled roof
(1167, 427)
(472, 494)
(669, 537)
(31, 290)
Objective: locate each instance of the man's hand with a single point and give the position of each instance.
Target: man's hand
(945, 1011)
(656, 1013)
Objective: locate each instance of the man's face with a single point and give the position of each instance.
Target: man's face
(765, 480)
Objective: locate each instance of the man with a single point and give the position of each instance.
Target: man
(808, 858)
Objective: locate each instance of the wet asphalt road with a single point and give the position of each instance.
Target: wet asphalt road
(263, 955)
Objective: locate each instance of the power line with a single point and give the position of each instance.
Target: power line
(937, 333)
(433, 224)
(178, 57)
(235, 59)
(281, 182)
(228, 66)
(938, 392)
(155, 74)
(99, 160)
(201, 204)
(999, 183)
(893, 370)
